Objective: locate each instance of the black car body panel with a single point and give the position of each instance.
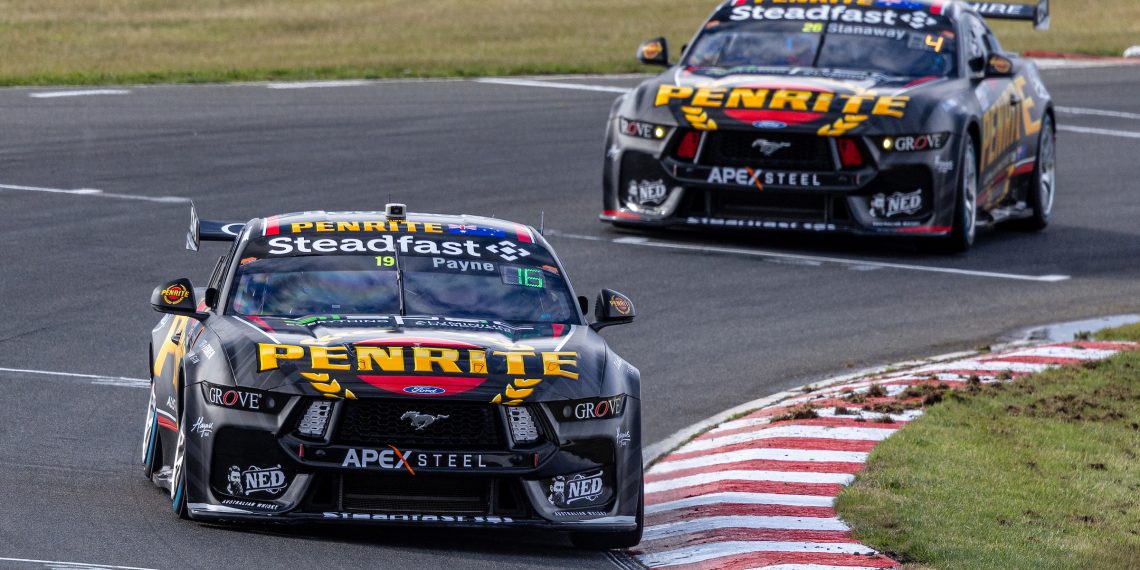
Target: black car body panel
(390, 418)
(784, 147)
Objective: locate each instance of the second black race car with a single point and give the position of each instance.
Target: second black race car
(393, 368)
(895, 117)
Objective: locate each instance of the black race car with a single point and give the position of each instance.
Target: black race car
(896, 117)
(384, 367)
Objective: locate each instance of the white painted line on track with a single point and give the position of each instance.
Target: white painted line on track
(1104, 132)
(761, 454)
(97, 193)
(1098, 113)
(94, 378)
(82, 93)
(702, 552)
(61, 564)
(789, 431)
(814, 567)
(552, 85)
(745, 521)
(1062, 352)
(735, 498)
(852, 263)
(317, 84)
(748, 475)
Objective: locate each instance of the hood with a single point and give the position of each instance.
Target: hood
(824, 102)
(410, 357)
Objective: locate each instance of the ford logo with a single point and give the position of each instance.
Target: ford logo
(426, 390)
(769, 125)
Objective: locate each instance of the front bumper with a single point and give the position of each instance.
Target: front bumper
(892, 194)
(580, 475)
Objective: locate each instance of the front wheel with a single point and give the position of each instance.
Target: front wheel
(612, 540)
(1043, 191)
(178, 476)
(965, 226)
(151, 450)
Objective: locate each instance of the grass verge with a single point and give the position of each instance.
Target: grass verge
(149, 41)
(1037, 474)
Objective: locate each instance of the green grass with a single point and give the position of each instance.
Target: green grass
(1038, 474)
(148, 41)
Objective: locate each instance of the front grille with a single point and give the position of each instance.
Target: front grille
(468, 425)
(787, 151)
(420, 494)
(769, 205)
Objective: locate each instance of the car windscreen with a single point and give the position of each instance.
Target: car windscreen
(473, 278)
(890, 50)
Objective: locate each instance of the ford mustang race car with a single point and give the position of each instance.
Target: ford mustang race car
(885, 117)
(385, 367)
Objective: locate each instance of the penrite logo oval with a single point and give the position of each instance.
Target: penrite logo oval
(424, 390)
(174, 294)
(621, 304)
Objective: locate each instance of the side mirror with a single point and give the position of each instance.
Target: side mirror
(176, 298)
(999, 66)
(977, 66)
(612, 308)
(654, 52)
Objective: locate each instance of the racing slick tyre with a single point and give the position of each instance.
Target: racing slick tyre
(1042, 190)
(965, 226)
(151, 451)
(612, 540)
(178, 476)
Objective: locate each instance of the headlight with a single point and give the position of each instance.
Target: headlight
(523, 428)
(316, 419)
(915, 143)
(643, 130)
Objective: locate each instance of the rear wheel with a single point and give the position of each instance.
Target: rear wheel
(612, 540)
(1042, 191)
(965, 222)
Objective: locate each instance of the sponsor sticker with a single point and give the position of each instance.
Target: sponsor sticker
(593, 409)
(648, 192)
(238, 398)
(175, 294)
(419, 518)
(770, 125)
(393, 459)
(581, 490)
(899, 203)
(622, 437)
(620, 304)
(424, 390)
(270, 480)
(202, 428)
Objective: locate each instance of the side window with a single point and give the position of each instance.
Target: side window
(992, 42)
(220, 270)
(975, 30)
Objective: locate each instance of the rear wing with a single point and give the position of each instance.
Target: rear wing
(209, 230)
(1038, 14)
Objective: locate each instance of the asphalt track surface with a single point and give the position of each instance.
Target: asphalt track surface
(714, 328)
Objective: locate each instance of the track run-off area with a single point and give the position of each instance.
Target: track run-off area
(94, 204)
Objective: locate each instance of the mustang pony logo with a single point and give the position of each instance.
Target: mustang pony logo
(421, 421)
(768, 148)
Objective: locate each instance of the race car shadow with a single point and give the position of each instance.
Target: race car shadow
(813, 243)
(517, 543)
